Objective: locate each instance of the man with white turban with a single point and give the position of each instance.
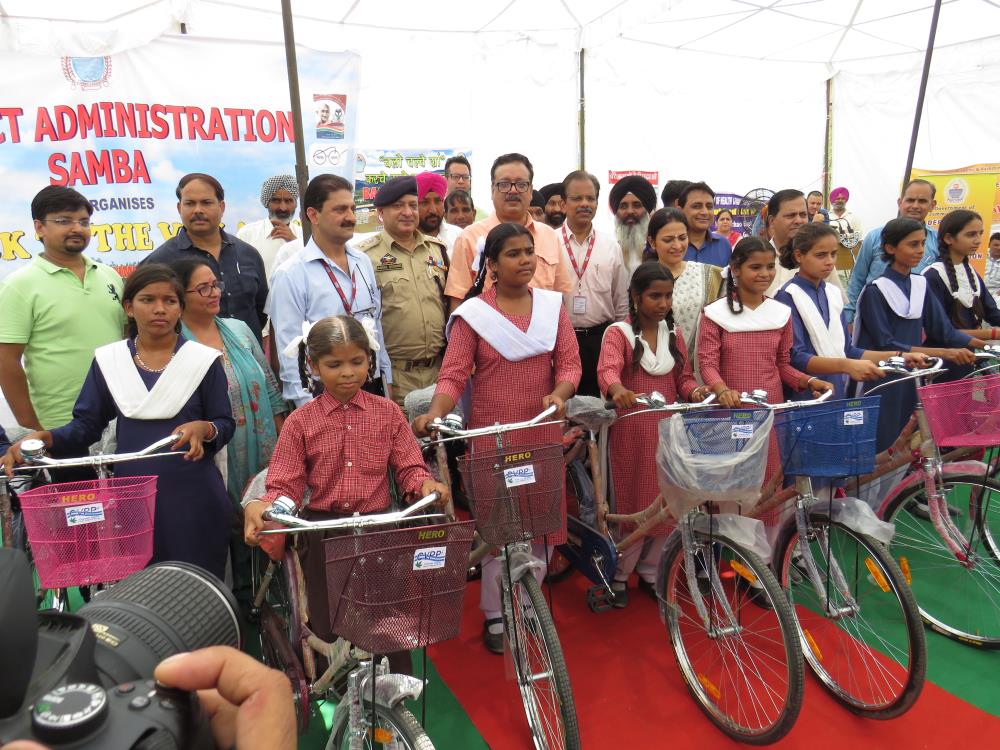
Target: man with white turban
(279, 195)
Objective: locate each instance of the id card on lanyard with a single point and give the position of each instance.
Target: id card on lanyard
(348, 305)
(579, 301)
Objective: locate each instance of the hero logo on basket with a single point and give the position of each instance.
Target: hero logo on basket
(431, 534)
(82, 514)
(429, 558)
(518, 475)
(512, 457)
(81, 497)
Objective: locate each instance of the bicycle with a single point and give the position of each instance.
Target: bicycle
(856, 617)
(516, 493)
(942, 510)
(80, 534)
(389, 591)
(735, 643)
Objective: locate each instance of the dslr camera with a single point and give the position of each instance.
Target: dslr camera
(85, 680)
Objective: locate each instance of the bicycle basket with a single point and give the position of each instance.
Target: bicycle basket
(835, 439)
(717, 456)
(400, 589)
(516, 494)
(964, 413)
(90, 532)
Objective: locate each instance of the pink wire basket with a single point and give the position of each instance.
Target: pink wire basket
(965, 413)
(96, 531)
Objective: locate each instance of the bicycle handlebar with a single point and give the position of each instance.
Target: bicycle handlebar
(758, 398)
(656, 402)
(897, 366)
(283, 511)
(451, 426)
(37, 461)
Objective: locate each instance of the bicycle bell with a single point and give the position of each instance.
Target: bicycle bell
(451, 421)
(656, 400)
(284, 505)
(33, 450)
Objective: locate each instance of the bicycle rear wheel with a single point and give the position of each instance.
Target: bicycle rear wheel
(862, 636)
(960, 600)
(540, 667)
(395, 729)
(745, 674)
(279, 629)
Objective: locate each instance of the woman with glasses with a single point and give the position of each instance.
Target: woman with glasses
(254, 394)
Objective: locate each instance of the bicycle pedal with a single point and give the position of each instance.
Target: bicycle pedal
(599, 599)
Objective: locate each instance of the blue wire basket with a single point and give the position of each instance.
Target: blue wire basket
(722, 432)
(833, 439)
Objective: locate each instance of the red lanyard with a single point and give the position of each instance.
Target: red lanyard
(569, 251)
(348, 306)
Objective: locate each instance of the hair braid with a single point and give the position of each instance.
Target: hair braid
(949, 267)
(304, 374)
(978, 311)
(674, 350)
(637, 346)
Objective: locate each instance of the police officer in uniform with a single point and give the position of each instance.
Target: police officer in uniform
(410, 270)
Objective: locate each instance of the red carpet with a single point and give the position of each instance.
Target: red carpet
(629, 692)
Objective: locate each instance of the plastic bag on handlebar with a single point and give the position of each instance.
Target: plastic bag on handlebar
(418, 402)
(746, 532)
(719, 457)
(589, 412)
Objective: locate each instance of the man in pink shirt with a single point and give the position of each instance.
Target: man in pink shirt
(510, 179)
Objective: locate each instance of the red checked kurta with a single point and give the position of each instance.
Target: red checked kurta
(746, 361)
(634, 440)
(505, 391)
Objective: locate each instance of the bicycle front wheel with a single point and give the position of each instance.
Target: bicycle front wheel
(394, 729)
(744, 670)
(860, 632)
(540, 667)
(958, 598)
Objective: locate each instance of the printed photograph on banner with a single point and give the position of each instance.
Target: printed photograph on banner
(331, 110)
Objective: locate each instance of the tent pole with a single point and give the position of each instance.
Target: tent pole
(828, 141)
(301, 170)
(583, 110)
(920, 95)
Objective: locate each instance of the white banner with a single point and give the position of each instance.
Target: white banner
(123, 129)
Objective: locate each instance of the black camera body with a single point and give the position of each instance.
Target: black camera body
(85, 680)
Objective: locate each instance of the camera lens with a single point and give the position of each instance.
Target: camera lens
(166, 609)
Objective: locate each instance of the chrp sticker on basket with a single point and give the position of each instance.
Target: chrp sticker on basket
(81, 514)
(429, 558)
(742, 431)
(854, 418)
(515, 476)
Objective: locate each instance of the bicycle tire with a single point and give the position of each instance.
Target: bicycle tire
(938, 579)
(398, 720)
(782, 681)
(278, 627)
(880, 682)
(536, 651)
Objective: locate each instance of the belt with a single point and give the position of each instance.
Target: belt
(584, 332)
(413, 364)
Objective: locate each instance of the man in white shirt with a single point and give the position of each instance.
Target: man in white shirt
(992, 277)
(279, 195)
(597, 271)
(431, 191)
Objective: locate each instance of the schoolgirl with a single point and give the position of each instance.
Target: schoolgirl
(894, 314)
(156, 383)
(517, 345)
(644, 355)
(745, 340)
(821, 344)
(958, 286)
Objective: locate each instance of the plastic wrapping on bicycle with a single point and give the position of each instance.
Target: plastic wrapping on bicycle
(833, 439)
(400, 589)
(963, 413)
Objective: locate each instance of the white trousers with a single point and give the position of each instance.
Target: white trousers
(489, 593)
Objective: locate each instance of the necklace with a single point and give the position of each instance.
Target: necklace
(146, 367)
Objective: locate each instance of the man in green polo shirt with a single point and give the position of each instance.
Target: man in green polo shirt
(54, 312)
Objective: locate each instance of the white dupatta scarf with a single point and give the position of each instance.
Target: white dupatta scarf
(965, 294)
(910, 308)
(769, 315)
(513, 344)
(827, 339)
(171, 391)
(655, 364)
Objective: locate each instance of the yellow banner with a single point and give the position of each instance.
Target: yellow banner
(976, 188)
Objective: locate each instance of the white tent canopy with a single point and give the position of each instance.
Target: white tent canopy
(729, 91)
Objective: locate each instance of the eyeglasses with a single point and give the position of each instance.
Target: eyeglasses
(458, 176)
(63, 221)
(504, 186)
(205, 290)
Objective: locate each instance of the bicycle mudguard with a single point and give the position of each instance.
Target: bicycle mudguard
(977, 468)
(856, 515)
(589, 552)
